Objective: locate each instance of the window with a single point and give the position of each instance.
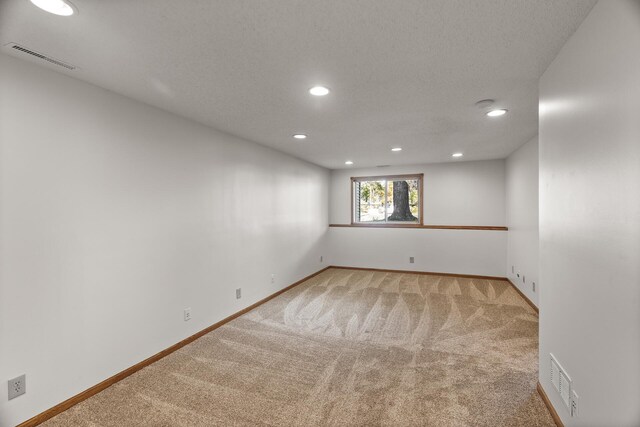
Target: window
(387, 200)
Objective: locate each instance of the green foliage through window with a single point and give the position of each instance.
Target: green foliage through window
(387, 199)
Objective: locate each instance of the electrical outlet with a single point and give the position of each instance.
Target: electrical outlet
(533, 286)
(523, 281)
(574, 403)
(320, 258)
(411, 260)
(513, 269)
(187, 314)
(273, 278)
(238, 293)
(17, 386)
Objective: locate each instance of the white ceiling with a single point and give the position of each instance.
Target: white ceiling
(402, 73)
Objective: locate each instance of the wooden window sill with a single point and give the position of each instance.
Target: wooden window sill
(432, 227)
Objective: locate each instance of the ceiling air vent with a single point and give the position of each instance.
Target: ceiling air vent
(24, 50)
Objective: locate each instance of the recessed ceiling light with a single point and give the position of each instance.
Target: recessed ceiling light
(497, 113)
(319, 91)
(57, 7)
(396, 149)
(348, 162)
(300, 136)
(456, 155)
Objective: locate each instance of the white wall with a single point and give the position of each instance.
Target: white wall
(456, 193)
(115, 216)
(522, 218)
(590, 216)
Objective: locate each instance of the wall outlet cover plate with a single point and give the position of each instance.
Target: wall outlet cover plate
(17, 386)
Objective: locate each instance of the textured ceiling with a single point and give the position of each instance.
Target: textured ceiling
(402, 73)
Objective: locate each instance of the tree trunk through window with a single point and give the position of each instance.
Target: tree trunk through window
(401, 210)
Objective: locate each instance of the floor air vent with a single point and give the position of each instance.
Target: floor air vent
(26, 51)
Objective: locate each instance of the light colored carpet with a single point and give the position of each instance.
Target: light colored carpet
(347, 347)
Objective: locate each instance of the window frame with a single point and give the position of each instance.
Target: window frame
(414, 176)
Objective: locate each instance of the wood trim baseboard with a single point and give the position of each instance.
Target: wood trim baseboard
(549, 405)
(428, 273)
(74, 400)
(524, 296)
(431, 227)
